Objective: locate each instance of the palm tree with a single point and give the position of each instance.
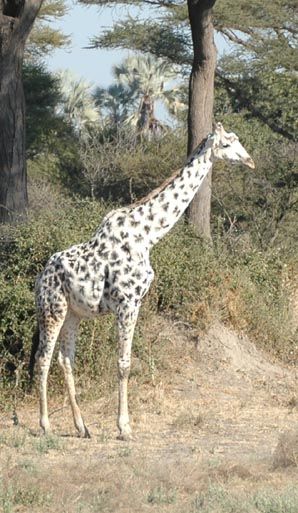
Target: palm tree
(78, 105)
(115, 100)
(141, 81)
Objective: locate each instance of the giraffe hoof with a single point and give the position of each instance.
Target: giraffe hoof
(125, 437)
(45, 427)
(45, 432)
(84, 433)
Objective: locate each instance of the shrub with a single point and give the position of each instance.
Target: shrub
(24, 251)
(245, 289)
(194, 282)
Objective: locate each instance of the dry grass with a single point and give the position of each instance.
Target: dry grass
(206, 424)
(286, 452)
(138, 478)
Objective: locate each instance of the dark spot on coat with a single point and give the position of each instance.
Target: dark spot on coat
(102, 247)
(134, 223)
(120, 220)
(125, 247)
(114, 239)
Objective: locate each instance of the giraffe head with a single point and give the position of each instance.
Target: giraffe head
(226, 146)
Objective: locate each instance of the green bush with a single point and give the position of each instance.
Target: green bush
(23, 253)
(194, 282)
(244, 288)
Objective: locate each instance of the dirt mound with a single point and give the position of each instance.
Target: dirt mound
(227, 391)
(225, 355)
(238, 354)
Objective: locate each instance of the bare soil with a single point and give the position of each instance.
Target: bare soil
(215, 413)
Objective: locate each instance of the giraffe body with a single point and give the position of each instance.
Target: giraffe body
(112, 272)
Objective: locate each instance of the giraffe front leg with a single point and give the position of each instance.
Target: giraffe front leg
(66, 360)
(127, 318)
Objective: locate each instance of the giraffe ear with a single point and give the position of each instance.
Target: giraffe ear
(219, 128)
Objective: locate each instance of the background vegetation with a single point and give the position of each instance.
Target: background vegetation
(88, 152)
(245, 279)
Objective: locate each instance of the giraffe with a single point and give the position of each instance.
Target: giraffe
(112, 272)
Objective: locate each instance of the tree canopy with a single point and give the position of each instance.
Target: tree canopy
(260, 70)
(141, 81)
(43, 38)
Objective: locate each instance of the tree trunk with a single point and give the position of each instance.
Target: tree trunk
(16, 20)
(201, 93)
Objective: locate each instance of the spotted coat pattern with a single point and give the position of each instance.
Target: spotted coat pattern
(111, 272)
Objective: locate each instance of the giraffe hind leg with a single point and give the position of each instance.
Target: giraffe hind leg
(49, 328)
(66, 359)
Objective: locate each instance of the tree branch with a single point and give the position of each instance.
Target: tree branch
(234, 89)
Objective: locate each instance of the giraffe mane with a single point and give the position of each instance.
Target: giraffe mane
(153, 194)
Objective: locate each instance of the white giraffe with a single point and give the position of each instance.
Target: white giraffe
(112, 272)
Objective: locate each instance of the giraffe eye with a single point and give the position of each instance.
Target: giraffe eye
(225, 145)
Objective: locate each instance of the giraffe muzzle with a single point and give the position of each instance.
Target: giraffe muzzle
(250, 163)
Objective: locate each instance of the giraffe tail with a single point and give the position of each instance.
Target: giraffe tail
(34, 347)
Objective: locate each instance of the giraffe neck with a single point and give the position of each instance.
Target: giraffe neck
(163, 208)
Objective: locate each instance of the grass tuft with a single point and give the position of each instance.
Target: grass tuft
(47, 443)
(220, 500)
(161, 495)
(286, 452)
(12, 497)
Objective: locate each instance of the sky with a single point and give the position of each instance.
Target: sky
(82, 23)
(95, 66)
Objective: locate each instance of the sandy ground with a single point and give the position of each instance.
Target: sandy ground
(215, 426)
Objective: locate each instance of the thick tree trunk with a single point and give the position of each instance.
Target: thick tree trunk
(13, 186)
(16, 20)
(201, 93)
